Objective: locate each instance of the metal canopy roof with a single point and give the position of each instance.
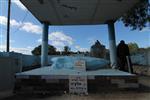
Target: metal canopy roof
(78, 12)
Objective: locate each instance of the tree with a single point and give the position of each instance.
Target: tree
(133, 48)
(51, 50)
(67, 50)
(138, 16)
(36, 51)
(98, 50)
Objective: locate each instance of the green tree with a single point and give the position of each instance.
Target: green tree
(138, 17)
(36, 51)
(133, 47)
(51, 50)
(67, 50)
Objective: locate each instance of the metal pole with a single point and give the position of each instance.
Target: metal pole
(8, 26)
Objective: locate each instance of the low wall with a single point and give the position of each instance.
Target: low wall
(26, 60)
(141, 59)
(149, 57)
(29, 60)
(8, 68)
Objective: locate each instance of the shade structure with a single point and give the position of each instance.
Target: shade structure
(78, 12)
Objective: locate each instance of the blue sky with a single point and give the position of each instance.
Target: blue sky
(26, 32)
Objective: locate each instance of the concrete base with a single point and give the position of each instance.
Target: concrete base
(45, 80)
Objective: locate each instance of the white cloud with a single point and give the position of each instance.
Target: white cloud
(59, 39)
(25, 26)
(29, 47)
(3, 21)
(146, 29)
(2, 47)
(58, 43)
(22, 50)
(15, 23)
(19, 4)
(81, 49)
(30, 27)
(26, 50)
(59, 49)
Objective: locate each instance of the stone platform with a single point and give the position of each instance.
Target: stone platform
(46, 80)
